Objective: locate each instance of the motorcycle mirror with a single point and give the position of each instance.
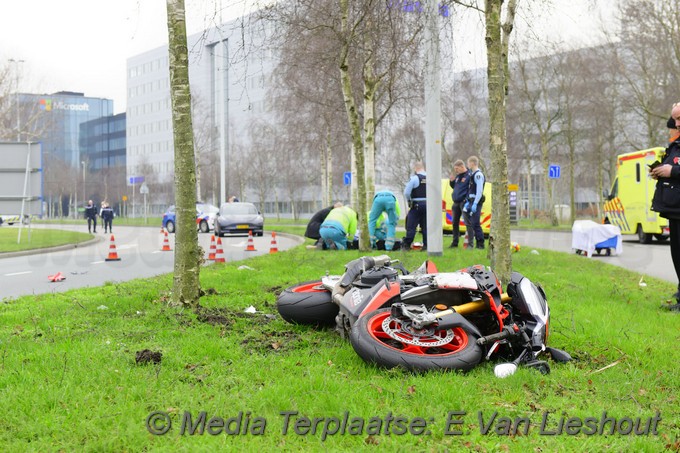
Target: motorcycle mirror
(504, 370)
(559, 355)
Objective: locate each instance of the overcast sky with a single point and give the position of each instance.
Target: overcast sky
(83, 45)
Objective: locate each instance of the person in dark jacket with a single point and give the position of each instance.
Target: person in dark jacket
(459, 181)
(106, 214)
(472, 210)
(91, 216)
(416, 198)
(666, 199)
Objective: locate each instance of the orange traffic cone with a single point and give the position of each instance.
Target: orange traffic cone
(213, 249)
(58, 277)
(274, 247)
(251, 243)
(166, 244)
(219, 255)
(113, 255)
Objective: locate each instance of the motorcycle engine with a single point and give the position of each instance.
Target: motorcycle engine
(376, 275)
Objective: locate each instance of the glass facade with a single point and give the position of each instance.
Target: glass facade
(102, 142)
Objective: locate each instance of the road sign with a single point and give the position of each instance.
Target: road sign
(136, 179)
(554, 172)
(124, 197)
(347, 178)
(144, 189)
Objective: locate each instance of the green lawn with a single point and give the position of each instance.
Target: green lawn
(38, 238)
(70, 381)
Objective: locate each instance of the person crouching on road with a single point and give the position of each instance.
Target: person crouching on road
(107, 217)
(91, 216)
(415, 194)
(340, 224)
(384, 202)
(473, 207)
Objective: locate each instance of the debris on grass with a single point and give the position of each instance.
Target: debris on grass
(148, 356)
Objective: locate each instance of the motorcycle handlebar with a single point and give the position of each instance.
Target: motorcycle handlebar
(507, 332)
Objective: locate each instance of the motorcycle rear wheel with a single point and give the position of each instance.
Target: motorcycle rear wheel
(307, 303)
(432, 352)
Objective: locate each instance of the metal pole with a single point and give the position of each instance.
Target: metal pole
(433, 133)
(23, 198)
(16, 76)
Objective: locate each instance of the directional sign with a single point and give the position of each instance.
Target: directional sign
(347, 178)
(136, 179)
(554, 172)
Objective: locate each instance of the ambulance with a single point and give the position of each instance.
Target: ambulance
(629, 204)
(447, 206)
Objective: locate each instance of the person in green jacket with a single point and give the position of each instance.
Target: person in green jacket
(340, 224)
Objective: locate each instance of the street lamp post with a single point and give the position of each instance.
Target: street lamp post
(16, 87)
(82, 162)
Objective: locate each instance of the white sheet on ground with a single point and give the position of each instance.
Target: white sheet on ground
(586, 234)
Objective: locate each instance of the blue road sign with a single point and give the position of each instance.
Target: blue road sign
(136, 179)
(554, 172)
(347, 178)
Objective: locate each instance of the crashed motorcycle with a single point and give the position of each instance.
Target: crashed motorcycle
(428, 320)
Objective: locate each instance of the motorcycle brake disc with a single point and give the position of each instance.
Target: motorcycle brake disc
(405, 333)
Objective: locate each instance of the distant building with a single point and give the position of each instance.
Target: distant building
(80, 137)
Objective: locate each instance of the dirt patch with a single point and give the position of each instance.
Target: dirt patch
(267, 342)
(215, 316)
(148, 356)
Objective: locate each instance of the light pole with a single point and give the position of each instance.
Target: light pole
(82, 162)
(16, 87)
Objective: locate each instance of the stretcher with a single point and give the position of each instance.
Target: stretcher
(589, 237)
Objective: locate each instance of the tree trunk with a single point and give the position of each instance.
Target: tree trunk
(499, 237)
(355, 127)
(186, 285)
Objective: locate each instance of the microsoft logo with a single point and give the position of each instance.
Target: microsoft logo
(46, 105)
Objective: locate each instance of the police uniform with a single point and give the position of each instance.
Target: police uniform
(91, 216)
(666, 202)
(460, 186)
(415, 194)
(475, 198)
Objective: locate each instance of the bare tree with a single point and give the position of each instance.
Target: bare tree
(186, 288)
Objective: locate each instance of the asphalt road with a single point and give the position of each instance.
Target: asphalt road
(649, 259)
(138, 247)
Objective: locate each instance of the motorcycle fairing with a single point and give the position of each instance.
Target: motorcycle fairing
(455, 280)
(359, 301)
(530, 302)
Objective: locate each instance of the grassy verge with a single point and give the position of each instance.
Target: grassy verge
(39, 238)
(70, 379)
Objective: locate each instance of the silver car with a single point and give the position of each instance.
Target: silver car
(238, 218)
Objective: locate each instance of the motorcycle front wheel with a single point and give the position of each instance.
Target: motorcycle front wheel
(389, 342)
(307, 303)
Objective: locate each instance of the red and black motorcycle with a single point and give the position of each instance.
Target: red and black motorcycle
(428, 319)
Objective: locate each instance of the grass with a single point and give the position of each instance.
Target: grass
(70, 380)
(39, 238)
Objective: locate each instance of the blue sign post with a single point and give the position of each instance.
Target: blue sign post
(347, 178)
(554, 172)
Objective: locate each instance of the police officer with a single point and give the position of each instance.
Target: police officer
(460, 183)
(667, 194)
(106, 214)
(415, 194)
(473, 207)
(384, 202)
(91, 216)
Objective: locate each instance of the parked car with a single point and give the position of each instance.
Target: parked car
(239, 218)
(205, 217)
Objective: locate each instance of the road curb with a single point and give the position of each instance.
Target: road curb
(57, 248)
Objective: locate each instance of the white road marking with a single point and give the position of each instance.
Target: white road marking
(97, 262)
(18, 273)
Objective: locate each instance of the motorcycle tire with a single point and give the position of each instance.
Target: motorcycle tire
(374, 345)
(307, 303)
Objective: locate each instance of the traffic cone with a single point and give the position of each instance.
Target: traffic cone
(213, 249)
(465, 239)
(113, 255)
(251, 243)
(58, 277)
(274, 247)
(166, 244)
(219, 255)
